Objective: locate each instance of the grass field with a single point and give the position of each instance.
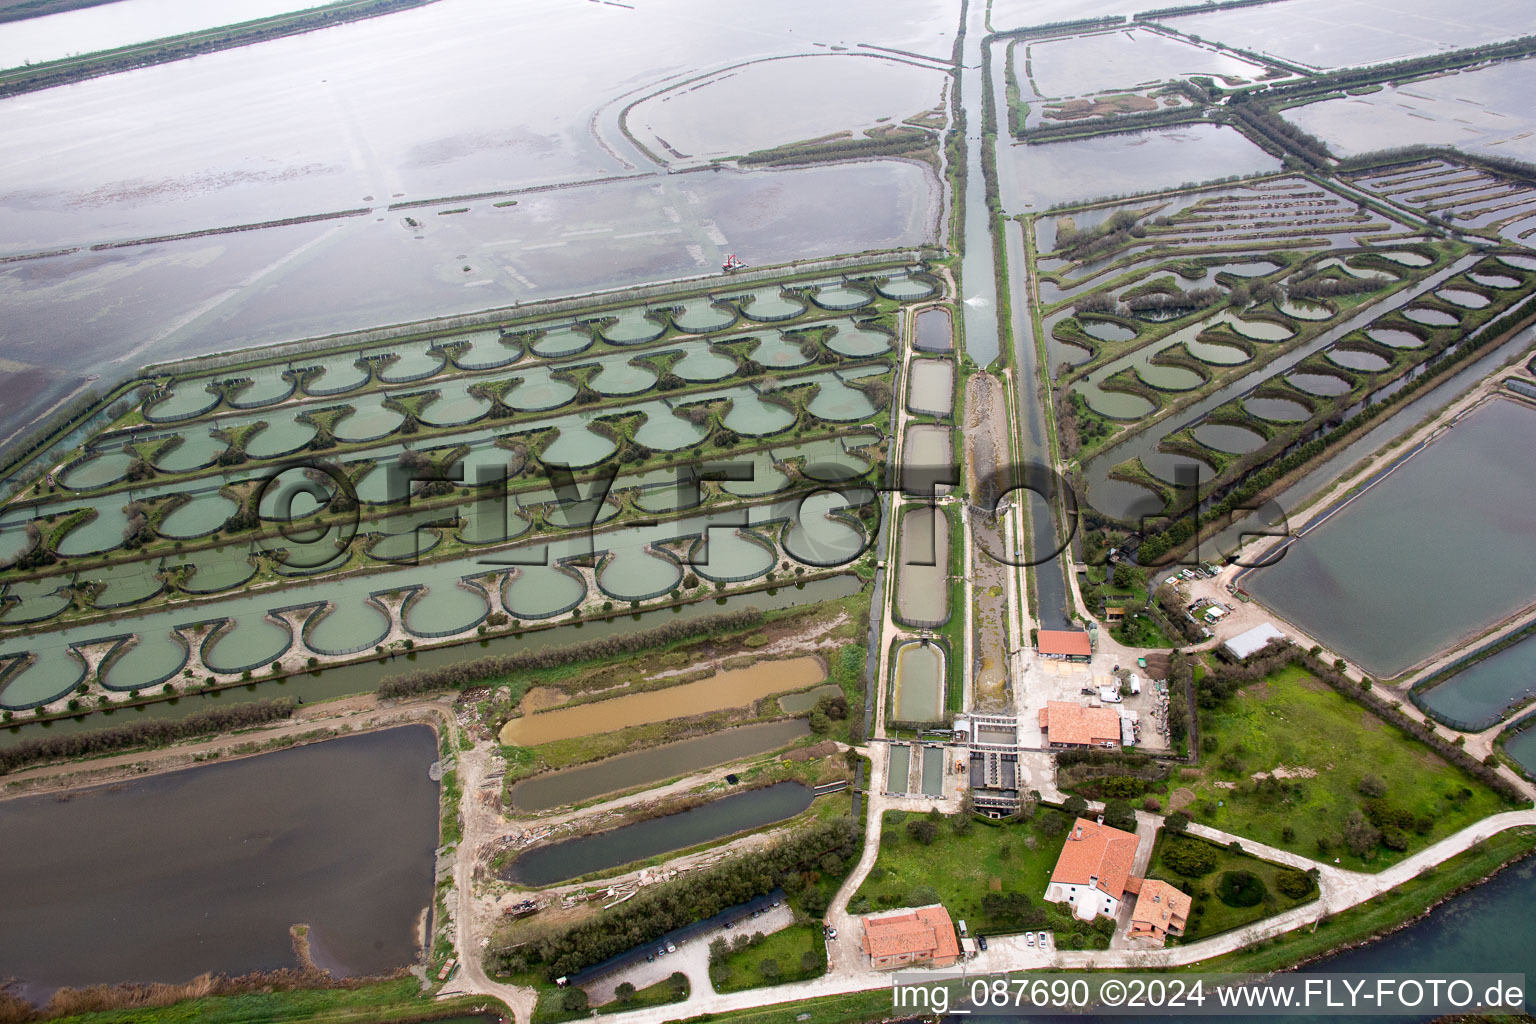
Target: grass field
(1210, 915)
(1326, 744)
(786, 948)
(958, 869)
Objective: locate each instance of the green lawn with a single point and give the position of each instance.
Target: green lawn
(960, 869)
(786, 948)
(659, 994)
(1139, 629)
(1329, 744)
(957, 868)
(1210, 915)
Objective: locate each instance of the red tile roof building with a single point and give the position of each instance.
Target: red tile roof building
(1161, 911)
(1072, 725)
(1063, 643)
(924, 937)
(1093, 873)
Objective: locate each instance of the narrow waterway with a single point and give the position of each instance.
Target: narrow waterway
(980, 319)
(573, 785)
(545, 865)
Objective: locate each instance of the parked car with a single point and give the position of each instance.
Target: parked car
(671, 948)
(650, 958)
(981, 943)
(831, 932)
(1029, 939)
(661, 950)
(1045, 937)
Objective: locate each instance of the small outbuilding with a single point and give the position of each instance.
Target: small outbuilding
(1245, 645)
(924, 937)
(1064, 644)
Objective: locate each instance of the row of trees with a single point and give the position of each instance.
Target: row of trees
(691, 898)
(152, 733)
(461, 674)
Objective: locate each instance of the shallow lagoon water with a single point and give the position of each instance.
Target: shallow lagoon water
(1135, 162)
(210, 867)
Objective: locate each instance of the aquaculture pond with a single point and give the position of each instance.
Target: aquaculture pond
(1422, 533)
(733, 688)
(919, 682)
(922, 580)
(573, 785)
(1522, 747)
(932, 331)
(899, 767)
(739, 812)
(211, 866)
(1480, 693)
(931, 388)
(1035, 177)
(163, 655)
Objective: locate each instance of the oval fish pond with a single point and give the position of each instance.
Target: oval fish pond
(739, 812)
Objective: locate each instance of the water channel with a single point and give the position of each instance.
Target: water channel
(739, 812)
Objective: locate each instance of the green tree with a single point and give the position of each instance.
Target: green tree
(1190, 857)
(770, 969)
(624, 992)
(1118, 814)
(923, 830)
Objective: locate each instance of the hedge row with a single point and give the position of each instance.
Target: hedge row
(153, 733)
(464, 673)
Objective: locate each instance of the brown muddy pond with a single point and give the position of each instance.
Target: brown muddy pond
(205, 869)
(733, 689)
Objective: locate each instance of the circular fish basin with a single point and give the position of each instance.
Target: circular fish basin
(1493, 281)
(204, 514)
(1228, 437)
(218, 570)
(632, 327)
(1323, 384)
(905, 288)
(97, 470)
(542, 591)
(186, 400)
(281, 436)
(1431, 317)
(1279, 410)
(699, 316)
(561, 341)
(1463, 298)
(1355, 359)
(1395, 339)
(198, 448)
(1106, 330)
